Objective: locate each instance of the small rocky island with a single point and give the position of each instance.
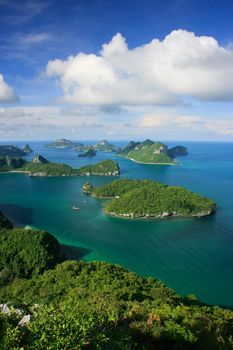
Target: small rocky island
(105, 146)
(89, 153)
(150, 152)
(149, 199)
(27, 149)
(40, 166)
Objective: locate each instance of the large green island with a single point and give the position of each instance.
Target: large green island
(149, 199)
(150, 152)
(40, 166)
(49, 302)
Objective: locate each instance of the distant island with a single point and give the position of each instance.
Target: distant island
(91, 152)
(40, 166)
(13, 151)
(103, 146)
(150, 152)
(27, 149)
(149, 199)
(64, 143)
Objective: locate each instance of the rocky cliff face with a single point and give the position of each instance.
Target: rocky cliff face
(27, 149)
(40, 160)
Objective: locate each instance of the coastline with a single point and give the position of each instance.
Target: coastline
(149, 163)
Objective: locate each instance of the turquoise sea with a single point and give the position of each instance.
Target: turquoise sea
(192, 256)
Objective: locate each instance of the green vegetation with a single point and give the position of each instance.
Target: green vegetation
(146, 198)
(88, 188)
(11, 151)
(27, 149)
(49, 169)
(8, 164)
(99, 306)
(149, 152)
(25, 253)
(42, 167)
(63, 143)
(105, 146)
(4, 222)
(106, 167)
(90, 152)
(177, 151)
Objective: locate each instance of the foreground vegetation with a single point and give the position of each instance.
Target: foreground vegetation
(76, 305)
(146, 198)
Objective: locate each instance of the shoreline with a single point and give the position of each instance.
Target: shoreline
(154, 217)
(149, 163)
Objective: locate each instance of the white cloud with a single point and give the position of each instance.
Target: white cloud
(30, 38)
(219, 126)
(160, 72)
(7, 94)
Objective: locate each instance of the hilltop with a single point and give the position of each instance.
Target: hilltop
(150, 152)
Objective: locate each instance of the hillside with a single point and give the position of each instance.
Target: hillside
(40, 166)
(149, 152)
(77, 305)
(90, 152)
(8, 163)
(11, 151)
(105, 146)
(148, 199)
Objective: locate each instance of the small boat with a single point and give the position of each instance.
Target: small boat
(75, 208)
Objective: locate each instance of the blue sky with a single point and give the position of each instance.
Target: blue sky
(116, 69)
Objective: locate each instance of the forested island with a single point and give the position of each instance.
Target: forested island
(103, 145)
(150, 152)
(149, 199)
(12, 151)
(40, 166)
(90, 152)
(49, 302)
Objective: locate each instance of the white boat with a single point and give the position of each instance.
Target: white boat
(75, 208)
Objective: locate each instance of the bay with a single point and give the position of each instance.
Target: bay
(192, 256)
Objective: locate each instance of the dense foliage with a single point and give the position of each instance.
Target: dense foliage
(105, 146)
(106, 167)
(8, 163)
(40, 167)
(11, 151)
(102, 306)
(97, 306)
(90, 152)
(146, 198)
(151, 152)
(147, 152)
(4, 222)
(49, 169)
(25, 253)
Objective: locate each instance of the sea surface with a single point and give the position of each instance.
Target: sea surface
(192, 256)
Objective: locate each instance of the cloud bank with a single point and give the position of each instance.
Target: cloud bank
(7, 94)
(165, 72)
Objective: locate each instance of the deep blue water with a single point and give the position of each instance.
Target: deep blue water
(190, 255)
